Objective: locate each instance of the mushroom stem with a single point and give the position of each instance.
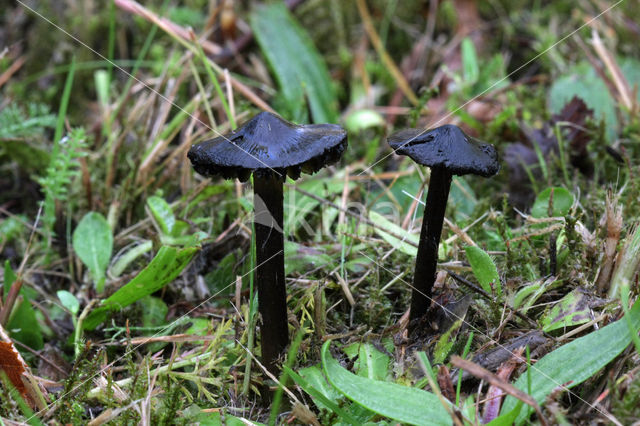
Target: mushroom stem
(269, 238)
(427, 258)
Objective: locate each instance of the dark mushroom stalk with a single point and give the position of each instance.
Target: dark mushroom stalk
(270, 148)
(448, 151)
(427, 257)
(272, 294)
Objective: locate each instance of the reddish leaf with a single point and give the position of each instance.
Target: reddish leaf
(520, 156)
(495, 394)
(13, 366)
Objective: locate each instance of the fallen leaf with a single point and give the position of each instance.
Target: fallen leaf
(521, 156)
(13, 367)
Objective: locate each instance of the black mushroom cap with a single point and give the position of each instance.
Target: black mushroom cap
(267, 144)
(447, 147)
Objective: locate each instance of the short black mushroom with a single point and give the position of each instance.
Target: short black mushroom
(448, 151)
(270, 148)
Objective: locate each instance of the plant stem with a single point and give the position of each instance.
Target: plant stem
(427, 258)
(268, 225)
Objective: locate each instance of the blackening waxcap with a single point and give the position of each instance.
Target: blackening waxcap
(267, 144)
(447, 147)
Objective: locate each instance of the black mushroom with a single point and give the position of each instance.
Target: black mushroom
(448, 151)
(270, 148)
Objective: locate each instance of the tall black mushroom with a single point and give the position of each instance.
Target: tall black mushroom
(448, 151)
(270, 148)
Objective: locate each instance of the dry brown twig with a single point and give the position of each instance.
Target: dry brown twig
(165, 24)
(612, 220)
(624, 93)
(494, 380)
(13, 68)
(184, 37)
(384, 56)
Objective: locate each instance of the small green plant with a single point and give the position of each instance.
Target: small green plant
(63, 168)
(477, 76)
(16, 123)
(161, 322)
(93, 243)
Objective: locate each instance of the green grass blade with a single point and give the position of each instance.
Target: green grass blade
(64, 105)
(397, 402)
(164, 268)
(577, 361)
(284, 377)
(298, 67)
(317, 394)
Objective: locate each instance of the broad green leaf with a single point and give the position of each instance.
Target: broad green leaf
(572, 310)
(402, 245)
(154, 311)
(9, 278)
(562, 202)
(162, 214)
(484, 269)
(93, 243)
(575, 362)
(314, 378)
(397, 402)
(470, 67)
(371, 363)
(324, 396)
(23, 326)
(69, 301)
(163, 269)
(297, 65)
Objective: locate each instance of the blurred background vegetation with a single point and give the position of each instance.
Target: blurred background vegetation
(100, 101)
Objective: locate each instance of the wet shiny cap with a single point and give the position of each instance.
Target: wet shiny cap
(447, 147)
(267, 144)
